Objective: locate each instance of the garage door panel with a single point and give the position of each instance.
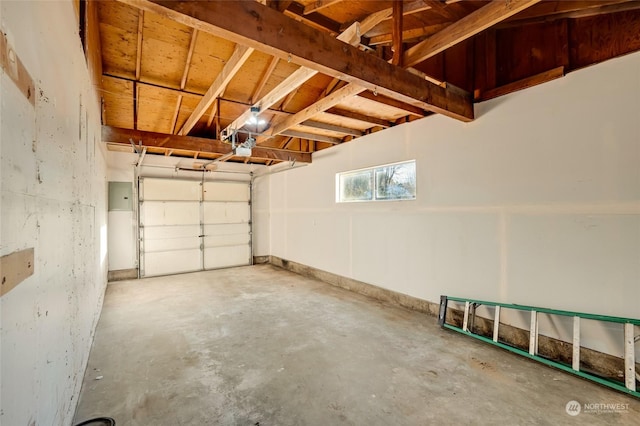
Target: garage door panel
(171, 244)
(164, 263)
(182, 223)
(170, 190)
(221, 257)
(226, 240)
(225, 212)
(178, 231)
(226, 191)
(170, 213)
(227, 229)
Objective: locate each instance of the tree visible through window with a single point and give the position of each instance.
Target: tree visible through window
(389, 182)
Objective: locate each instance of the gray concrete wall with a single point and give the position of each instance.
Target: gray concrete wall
(537, 202)
(53, 193)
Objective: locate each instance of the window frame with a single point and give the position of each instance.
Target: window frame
(373, 170)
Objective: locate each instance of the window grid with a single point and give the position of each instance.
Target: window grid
(389, 182)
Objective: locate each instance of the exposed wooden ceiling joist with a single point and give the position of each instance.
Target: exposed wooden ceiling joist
(319, 4)
(350, 35)
(189, 143)
(139, 45)
(258, 26)
(238, 58)
(360, 117)
(322, 105)
(465, 28)
(408, 35)
(441, 9)
(314, 19)
(311, 136)
(397, 33)
(393, 103)
(548, 9)
(290, 84)
(331, 127)
(265, 77)
(568, 9)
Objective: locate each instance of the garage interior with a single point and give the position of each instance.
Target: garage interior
(246, 212)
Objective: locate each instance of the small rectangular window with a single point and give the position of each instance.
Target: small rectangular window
(388, 182)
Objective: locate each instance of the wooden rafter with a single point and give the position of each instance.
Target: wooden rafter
(523, 84)
(286, 86)
(258, 26)
(322, 105)
(393, 103)
(237, 59)
(174, 120)
(547, 9)
(183, 81)
(318, 5)
(465, 28)
(359, 117)
(441, 9)
(408, 8)
(139, 45)
(314, 19)
(408, 35)
(187, 66)
(569, 9)
(331, 127)
(350, 35)
(368, 23)
(214, 110)
(312, 136)
(287, 100)
(397, 33)
(264, 79)
(189, 143)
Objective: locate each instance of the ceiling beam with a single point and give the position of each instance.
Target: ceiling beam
(331, 127)
(311, 136)
(139, 44)
(281, 90)
(322, 105)
(368, 23)
(189, 143)
(318, 5)
(440, 8)
(237, 59)
(314, 19)
(262, 28)
(568, 9)
(397, 33)
(393, 103)
(547, 9)
(360, 117)
(192, 46)
(465, 28)
(350, 35)
(265, 77)
(408, 35)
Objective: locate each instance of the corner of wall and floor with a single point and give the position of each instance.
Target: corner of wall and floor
(53, 192)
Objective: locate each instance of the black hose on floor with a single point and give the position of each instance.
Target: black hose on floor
(98, 421)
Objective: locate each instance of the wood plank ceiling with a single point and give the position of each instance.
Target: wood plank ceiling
(181, 77)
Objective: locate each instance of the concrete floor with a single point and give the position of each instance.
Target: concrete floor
(262, 346)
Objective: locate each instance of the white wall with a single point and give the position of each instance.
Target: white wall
(53, 192)
(536, 202)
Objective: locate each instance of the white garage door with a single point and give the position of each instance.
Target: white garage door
(192, 226)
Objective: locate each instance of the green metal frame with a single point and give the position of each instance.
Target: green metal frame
(564, 367)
